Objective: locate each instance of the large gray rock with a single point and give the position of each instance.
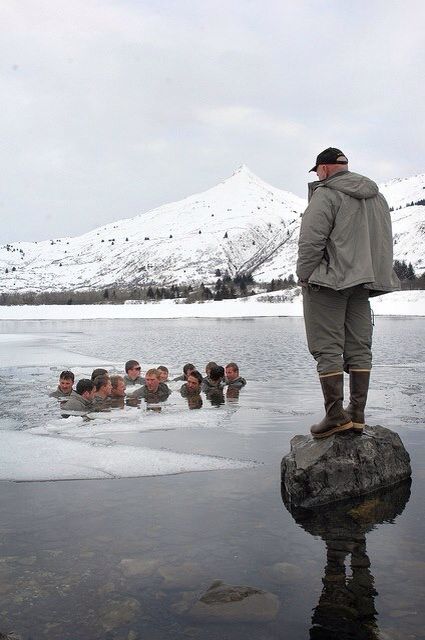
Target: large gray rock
(342, 466)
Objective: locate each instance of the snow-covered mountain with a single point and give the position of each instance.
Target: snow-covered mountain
(406, 197)
(242, 225)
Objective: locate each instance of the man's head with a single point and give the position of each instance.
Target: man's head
(188, 368)
(330, 161)
(66, 381)
(118, 387)
(232, 371)
(163, 373)
(98, 372)
(209, 366)
(85, 388)
(152, 379)
(216, 374)
(132, 369)
(103, 386)
(194, 380)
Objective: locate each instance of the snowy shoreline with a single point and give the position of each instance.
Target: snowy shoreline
(400, 303)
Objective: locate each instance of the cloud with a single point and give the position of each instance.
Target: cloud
(248, 118)
(113, 108)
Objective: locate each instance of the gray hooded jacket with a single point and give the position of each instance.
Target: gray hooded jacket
(346, 236)
(77, 405)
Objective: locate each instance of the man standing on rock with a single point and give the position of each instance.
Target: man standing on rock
(345, 255)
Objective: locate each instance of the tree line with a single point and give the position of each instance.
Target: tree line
(407, 275)
(224, 288)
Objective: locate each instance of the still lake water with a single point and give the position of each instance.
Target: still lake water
(123, 559)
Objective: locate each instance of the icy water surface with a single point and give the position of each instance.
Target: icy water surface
(127, 558)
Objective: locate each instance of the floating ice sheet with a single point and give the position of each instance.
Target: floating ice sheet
(28, 457)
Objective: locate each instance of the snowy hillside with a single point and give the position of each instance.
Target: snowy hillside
(408, 220)
(234, 226)
(242, 225)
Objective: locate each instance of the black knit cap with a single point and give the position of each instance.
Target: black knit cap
(330, 156)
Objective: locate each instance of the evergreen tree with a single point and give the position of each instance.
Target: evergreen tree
(410, 273)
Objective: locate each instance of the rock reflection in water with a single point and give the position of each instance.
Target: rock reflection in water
(346, 607)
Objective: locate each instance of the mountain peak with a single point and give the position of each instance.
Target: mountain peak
(243, 168)
(244, 176)
(244, 171)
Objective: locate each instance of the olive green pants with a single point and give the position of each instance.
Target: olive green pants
(339, 328)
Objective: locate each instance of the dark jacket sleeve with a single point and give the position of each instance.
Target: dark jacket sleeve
(316, 226)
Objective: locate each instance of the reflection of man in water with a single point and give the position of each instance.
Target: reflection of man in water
(153, 390)
(232, 394)
(346, 608)
(66, 382)
(194, 401)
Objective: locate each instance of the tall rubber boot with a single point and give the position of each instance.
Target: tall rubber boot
(359, 386)
(335, 419)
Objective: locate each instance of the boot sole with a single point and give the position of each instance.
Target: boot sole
(358, 426)
(342, 427)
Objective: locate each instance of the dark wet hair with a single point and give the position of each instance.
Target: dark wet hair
(188, 367)
(162, 368)
(217, 373)
(130, 364)
(67, 375)
(197, 375)
(210, 365)
(98, 372)
(100, 382)
(232, 365)
(84, 385)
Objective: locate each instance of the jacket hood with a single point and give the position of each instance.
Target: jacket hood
(352, 184)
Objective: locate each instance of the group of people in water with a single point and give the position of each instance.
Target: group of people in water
(103, 391)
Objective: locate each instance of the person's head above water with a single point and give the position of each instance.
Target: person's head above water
(103, 386)
(216, 374)
(66, 381)
(194, 381)
(152, 380)
(118, 387)
(232, 371)
(209, 366)
(132, 369)
(98, 372)
(188, 367)
(163, 373)
(85, 388)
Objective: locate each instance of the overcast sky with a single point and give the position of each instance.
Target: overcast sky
(112, 107)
